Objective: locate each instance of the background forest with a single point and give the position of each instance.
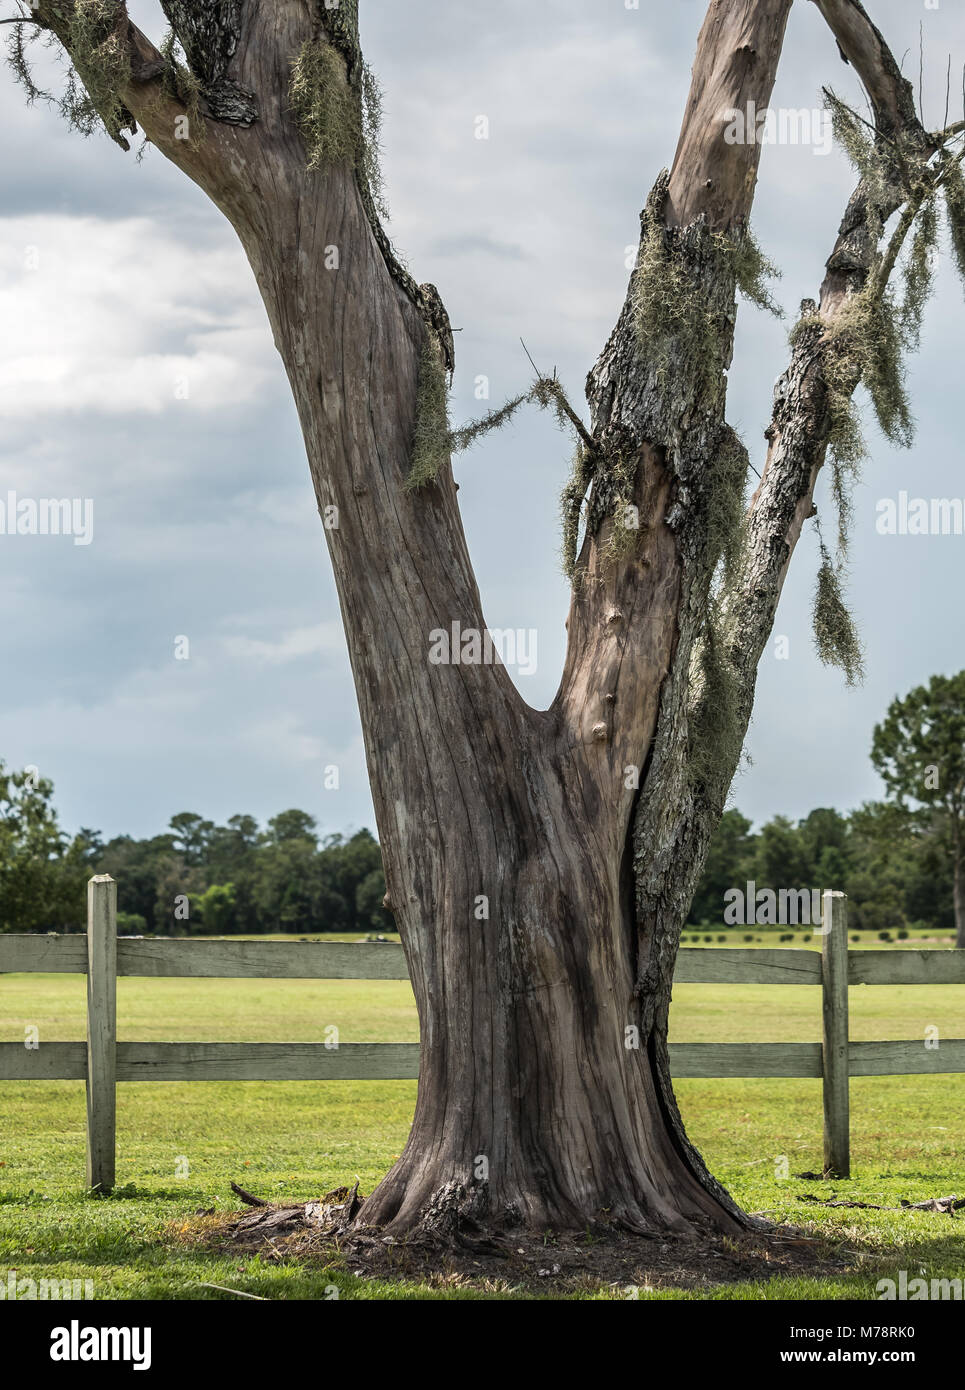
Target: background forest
(196, 877)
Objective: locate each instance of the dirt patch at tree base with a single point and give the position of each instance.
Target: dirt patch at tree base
(537, 1263)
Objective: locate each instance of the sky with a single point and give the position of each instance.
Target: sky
(138, 375)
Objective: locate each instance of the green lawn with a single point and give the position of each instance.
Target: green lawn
(180, 1144)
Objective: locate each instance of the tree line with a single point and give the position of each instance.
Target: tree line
(895, 864)
(901, 861)
(197, 878)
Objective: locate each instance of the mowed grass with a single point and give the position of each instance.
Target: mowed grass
(180, 1145)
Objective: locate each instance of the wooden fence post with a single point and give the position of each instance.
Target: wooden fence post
(834, 1002)
(101, 1030)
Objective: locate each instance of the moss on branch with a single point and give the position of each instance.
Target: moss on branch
(680, 328)
(336, 102)
(97, 44)
(430, 440)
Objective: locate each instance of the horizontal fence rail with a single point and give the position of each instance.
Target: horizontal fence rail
(184, 957)
(102, 1060)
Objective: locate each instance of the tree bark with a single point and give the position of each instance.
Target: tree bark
(540, 864)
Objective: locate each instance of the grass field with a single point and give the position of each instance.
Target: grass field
(180, 1144)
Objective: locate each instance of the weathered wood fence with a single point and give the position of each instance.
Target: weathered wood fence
(102, 1061)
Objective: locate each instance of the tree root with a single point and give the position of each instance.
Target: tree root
(458, 1239)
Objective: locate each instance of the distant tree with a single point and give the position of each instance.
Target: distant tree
(215, 910)
(729, 865)
(919, 750)
(179, 888)
(192, 837)
(42, 874)
(135, 864)
(369, 912)
(882, 853)
(779, 857)
(293, 825)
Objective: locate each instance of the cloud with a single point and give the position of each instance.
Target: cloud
(291, 646)
(118, 317)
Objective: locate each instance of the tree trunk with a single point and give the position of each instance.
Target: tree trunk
(505, 831)
(959, 894)
(540, 864)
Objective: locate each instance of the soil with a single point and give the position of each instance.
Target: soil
(537, 1263)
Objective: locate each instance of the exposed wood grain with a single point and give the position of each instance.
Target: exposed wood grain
(737, 56)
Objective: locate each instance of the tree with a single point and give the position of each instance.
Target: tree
(192, 837)
(216, 909)
(42, 875)
(136, 865)
(778, 856)
(292, 825)
(540, 864)
(919, 750)
(729, 865)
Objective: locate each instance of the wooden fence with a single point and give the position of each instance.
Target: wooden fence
(102, 1061)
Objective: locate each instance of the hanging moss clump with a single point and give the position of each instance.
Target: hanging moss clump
(716, 723)
(181, 85)
(859, 145)
(835, 633)
(868, 342)
(752, 270)
(725, 513)
(370, 160)
(102, 63)
(955, 212)
(337, 105)
(870, 337)
(679, 329)
(676, 330)
(430, 441)
(325, 108)
(571, 506)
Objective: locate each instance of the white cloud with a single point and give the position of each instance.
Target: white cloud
(299, 642)
(119, 317)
